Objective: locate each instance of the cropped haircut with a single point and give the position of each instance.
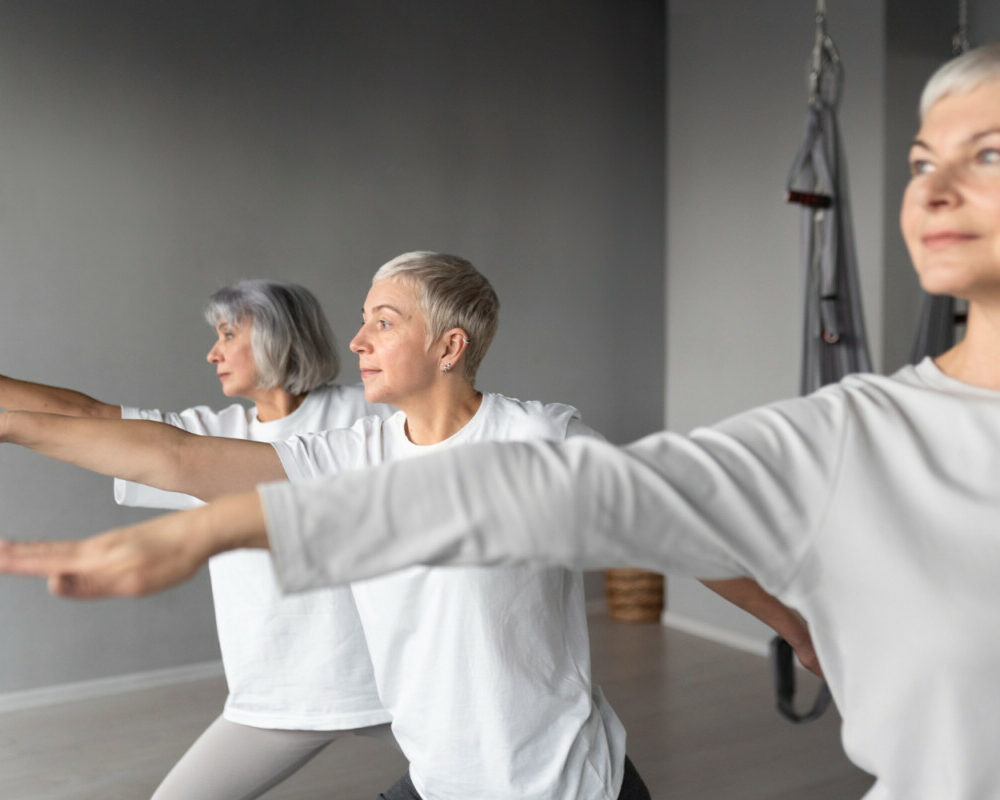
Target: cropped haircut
(961, 74)
(452, 294)
(291, 340)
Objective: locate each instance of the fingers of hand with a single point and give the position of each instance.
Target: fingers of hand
(37, 558)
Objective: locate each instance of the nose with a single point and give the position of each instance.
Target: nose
(214, 356)
(942, 187)
(359, 344)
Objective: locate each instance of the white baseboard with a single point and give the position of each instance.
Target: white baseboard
(738, 641)
(102, 687)
(713, 633)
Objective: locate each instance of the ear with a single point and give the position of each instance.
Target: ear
(453, 344)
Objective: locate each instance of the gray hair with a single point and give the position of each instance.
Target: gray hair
(961, 74)
(291, 340)
(452, 294)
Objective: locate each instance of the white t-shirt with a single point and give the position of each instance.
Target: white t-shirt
(872, 506)
(486, 672)
(296, 662)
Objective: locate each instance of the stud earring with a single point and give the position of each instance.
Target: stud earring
(446, 366)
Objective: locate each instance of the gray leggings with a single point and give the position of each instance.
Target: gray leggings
(633, 787)
(238, 762)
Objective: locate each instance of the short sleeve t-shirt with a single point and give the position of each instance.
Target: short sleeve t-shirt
(486, 671)
(295, 661)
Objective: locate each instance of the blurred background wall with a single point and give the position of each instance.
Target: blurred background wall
(151, 152)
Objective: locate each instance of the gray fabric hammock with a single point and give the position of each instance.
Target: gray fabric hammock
(834, 339)
(834, 343)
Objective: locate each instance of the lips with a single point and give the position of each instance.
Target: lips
(944, 239)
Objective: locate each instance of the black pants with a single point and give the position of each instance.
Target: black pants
(633, 787)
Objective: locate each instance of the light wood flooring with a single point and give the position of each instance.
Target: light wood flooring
(699, 715)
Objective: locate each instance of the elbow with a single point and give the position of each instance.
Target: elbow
(95, 409)
(177, 468)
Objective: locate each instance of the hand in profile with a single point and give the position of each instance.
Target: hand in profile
(124, 562)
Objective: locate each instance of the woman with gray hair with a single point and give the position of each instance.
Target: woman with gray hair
(297, 667)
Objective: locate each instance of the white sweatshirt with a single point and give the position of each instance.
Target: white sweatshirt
(872, 506)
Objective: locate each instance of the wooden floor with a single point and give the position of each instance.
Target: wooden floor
(699, 715)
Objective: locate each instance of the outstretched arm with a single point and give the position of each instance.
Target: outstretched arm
(152, 453)
(669, 503)
(17, 395)
(144, 558)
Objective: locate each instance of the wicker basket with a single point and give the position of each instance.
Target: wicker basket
(634, 595)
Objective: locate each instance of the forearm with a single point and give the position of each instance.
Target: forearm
(18, 395)
(151, 453)
(749, 596)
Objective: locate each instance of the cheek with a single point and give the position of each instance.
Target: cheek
(991, 204)
(908, 216)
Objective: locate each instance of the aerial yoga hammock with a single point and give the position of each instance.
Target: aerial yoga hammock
(941, 316)
(835, 343)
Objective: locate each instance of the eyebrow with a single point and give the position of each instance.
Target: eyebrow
(974, 138)
(383, 306)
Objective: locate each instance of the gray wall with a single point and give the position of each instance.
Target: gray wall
(153, 151)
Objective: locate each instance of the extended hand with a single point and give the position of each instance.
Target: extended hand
(125, 562)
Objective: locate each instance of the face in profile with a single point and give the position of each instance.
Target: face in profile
(232, 355)
(951, 208)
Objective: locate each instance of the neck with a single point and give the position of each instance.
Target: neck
(274, 404)
(432, 419)
(976, 359)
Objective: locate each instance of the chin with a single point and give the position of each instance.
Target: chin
(374, 395)
(234, 391)
(942, 281)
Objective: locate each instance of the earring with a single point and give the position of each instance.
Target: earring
(446, 366)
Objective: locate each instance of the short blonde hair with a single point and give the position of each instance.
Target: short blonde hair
(962, 74)
(452, 294)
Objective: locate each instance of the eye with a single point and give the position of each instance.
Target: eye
(988, 155)
(228, 335)
(920, 166)
(382, 324)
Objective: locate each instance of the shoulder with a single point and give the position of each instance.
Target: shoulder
(530, 418)
(328, 452)
(826, 416)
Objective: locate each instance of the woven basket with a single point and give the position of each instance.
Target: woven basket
(634, 595)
